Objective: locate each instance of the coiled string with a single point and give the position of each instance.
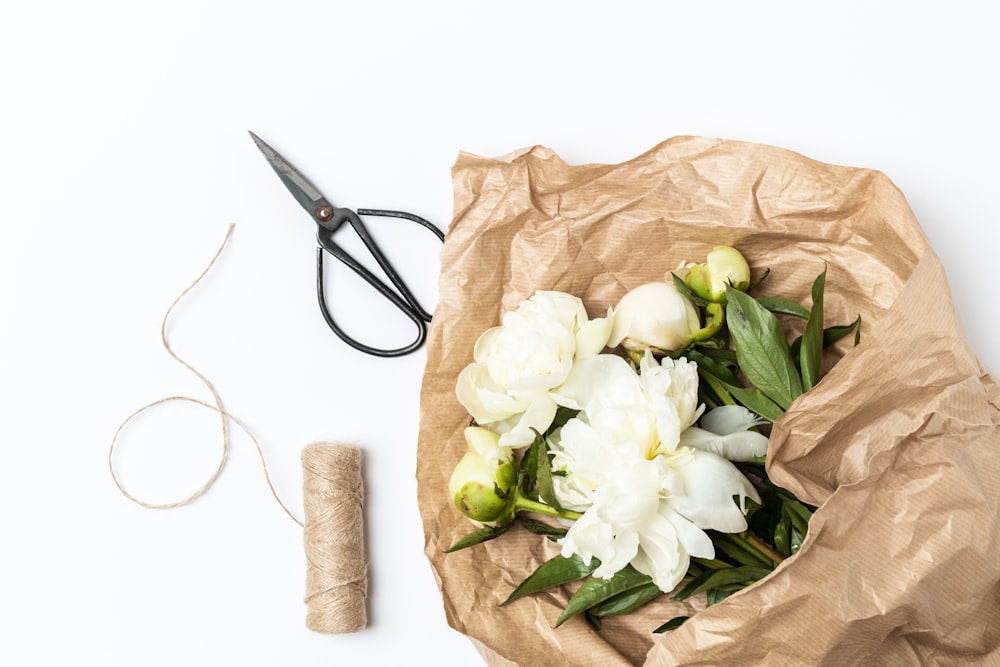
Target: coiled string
(336, 576)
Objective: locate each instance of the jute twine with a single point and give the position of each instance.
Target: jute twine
(336, 574)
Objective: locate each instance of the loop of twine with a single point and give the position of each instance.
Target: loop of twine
(336, 570)
(216, 406)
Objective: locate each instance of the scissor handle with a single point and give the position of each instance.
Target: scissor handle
(403, 300)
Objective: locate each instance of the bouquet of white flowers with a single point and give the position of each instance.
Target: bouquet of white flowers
(601, 424)
(865, 529)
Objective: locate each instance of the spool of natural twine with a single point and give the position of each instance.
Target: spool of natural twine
(336, 570)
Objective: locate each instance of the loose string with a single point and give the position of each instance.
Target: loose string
(224, 416)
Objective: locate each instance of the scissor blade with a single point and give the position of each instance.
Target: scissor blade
(304, 192)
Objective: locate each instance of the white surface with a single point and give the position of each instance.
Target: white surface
(126, 156)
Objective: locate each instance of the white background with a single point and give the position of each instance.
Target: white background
(125, 156)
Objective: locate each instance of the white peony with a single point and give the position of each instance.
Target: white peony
(654, 315)
(646, 499)
(517, 364)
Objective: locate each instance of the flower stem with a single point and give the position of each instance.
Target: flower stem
(763, 547)
(528, 505)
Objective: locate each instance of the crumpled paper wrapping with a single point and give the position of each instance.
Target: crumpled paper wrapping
(898, 445)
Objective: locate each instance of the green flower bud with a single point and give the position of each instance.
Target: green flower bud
(724, 266)
(482, 483)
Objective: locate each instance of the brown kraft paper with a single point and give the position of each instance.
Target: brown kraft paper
(897, 445)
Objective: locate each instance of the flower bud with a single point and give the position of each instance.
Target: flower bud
(482, 482)
(654, 316)
(724, 266)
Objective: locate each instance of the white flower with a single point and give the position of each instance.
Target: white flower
(658, 402)
(673, 380)
(725, 431)
(517, 364)
(629, 523)
(654, 315)
(653, 513)
(645, 500)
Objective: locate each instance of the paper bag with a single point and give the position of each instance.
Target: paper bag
(898, 445)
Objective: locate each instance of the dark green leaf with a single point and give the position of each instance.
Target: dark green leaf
(596, 590)
(479, 536)
(782, 306)
(540, 527)
(811, 353)
(832, 334)
(710, 364)
(627, 602)
(543, 473)
(738, 551)
(759, 280)
(555, 572)
(563, 415)
(782, 535)
(717, 595)
(797, 513)
(762, 349)
(683, 288)
(755, 401)
(529, 464)
(672, 624)
(744, 574)
(796, 540)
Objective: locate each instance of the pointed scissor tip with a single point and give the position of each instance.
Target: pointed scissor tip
(257, 140)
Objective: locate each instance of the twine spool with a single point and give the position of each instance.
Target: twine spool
(336, 570)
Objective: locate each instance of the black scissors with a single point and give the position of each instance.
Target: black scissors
(331, 218)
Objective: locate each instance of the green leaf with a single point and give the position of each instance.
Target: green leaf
(683, 288)
(714, 366)
(782, 306)
(724, 578)
(811, 354)
(543, 473)
(479, 536)
(759, 280)
(540, 527)
(755, 401)
(596, 590)
(563, 415)
(797, 539)
(762, 349)
(797, 513)
(833, 334)
(529, 464)
(717, 595)
(627, 602)
(555, 572)
(672, 624)
(738, 551)
(782, 535)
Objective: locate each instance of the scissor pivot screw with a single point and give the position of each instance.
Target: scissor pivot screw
(324, 213)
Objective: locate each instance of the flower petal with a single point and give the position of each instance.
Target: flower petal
(486, 400)
(727, 419)
(602, 378)
(661, 555)
(593, 335)
(739, 446)
(538, 417)
(710, 483)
